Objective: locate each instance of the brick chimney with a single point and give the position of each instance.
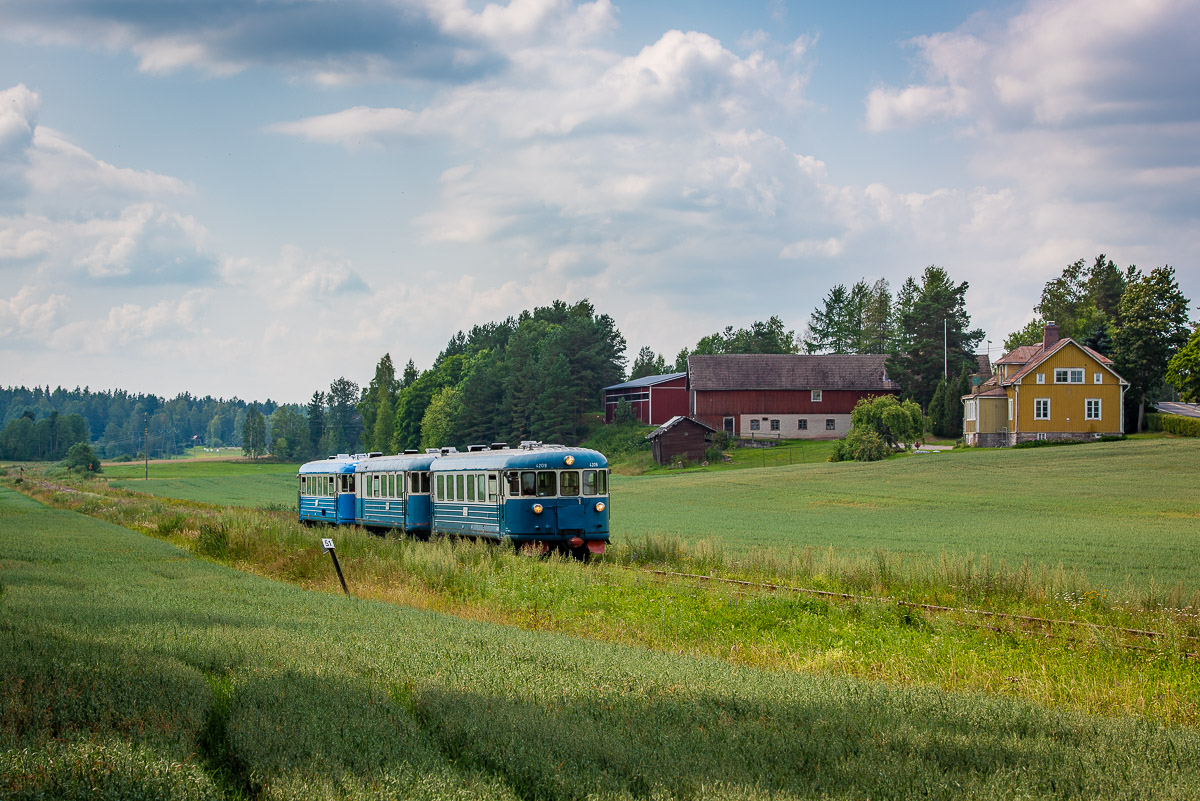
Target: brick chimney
(1050, 335)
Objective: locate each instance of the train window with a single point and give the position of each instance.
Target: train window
(546, 484)
(514, 485)
(441, 488)
(529, 483)
(493, 486)
(470, 488)
(414, 482)
(375, 491)
(595, 482)
(425, 482)
(569, 483)
(481, 483)
(458, 488)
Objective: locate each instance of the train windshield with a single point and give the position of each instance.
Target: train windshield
(569, 483)
(595, 482)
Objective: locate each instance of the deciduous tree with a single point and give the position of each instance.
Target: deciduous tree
(1154, 324)
(1183, 370)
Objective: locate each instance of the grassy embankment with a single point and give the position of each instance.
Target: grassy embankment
(1084, 668)
(131, 669)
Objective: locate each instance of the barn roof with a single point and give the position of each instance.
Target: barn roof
(647, 381)
(674, 421)
(789, 371)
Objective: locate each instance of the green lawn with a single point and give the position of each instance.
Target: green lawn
(130, 669)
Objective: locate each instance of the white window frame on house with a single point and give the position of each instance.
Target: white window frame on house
(1041, 378)
(1097, 378)
(1068, 375)
(816, 396)
(1010, 409)
(1093, 403)
(1038, 412)
(970, 411)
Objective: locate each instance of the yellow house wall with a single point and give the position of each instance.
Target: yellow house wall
(991, 416)
(1067, 400)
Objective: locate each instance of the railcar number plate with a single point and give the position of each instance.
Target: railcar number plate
(464, 511)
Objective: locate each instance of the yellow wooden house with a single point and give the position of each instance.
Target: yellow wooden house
(1057, 389)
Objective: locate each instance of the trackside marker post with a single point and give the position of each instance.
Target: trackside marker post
(327, 544)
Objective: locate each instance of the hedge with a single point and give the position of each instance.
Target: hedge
(1173, 424)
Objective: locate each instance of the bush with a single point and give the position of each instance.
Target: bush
(82, 458)
(1173, 424)
(861, 445)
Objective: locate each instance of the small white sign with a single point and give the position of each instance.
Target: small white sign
(327, 544)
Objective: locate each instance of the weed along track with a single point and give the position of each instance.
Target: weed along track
(1044, 623)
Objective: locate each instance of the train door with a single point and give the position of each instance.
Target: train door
(570, 502)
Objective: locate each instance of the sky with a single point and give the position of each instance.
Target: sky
(252, 199)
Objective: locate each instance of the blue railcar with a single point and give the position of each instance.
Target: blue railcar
(327, 490)
(393, 493)
(547, 495)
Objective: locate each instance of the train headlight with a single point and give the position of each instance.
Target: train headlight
(537, 508)
(570, 460)
(600, 506)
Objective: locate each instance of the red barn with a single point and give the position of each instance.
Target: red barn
(655, 398)
(783, 395)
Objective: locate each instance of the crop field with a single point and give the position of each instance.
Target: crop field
(1124, 514)
(1115, 511)
(132, 669)
(209, 481)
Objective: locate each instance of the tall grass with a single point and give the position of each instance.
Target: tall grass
(132, 671)
(746, 625)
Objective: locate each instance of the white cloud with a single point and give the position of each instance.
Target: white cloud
(30, 313)
(131, 324)
(296, 278)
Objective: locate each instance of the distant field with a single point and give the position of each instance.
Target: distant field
(1111, 509)
(131, 669)
(231, 483)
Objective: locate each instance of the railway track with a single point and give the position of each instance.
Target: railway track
(1129, 637)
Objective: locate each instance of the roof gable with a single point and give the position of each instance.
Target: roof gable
(676, 420)
(647, 381)
(785, 371)
(1044, 354)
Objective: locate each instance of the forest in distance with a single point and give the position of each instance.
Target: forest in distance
(538, 375)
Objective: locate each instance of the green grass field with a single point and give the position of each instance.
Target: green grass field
(130, 669)
(1113, 510)
(236, 483)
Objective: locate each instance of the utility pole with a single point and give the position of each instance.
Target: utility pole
(945, 349)
(146, 447)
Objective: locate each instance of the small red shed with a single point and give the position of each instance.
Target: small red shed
(680, 437)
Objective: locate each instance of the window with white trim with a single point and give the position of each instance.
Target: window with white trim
(816, 396)
(1097, 378)
(1041, 408)
(1068, 375)
(1010, 408)
(970, 410)
(1041, 378)
(1091, 409)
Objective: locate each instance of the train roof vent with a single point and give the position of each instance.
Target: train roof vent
(433, 450)
(411, 451)
(476, 448)
(451, 449)
(499, 446)
(530, 444)
(373, 454)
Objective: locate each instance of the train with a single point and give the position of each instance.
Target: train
(534, 495)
